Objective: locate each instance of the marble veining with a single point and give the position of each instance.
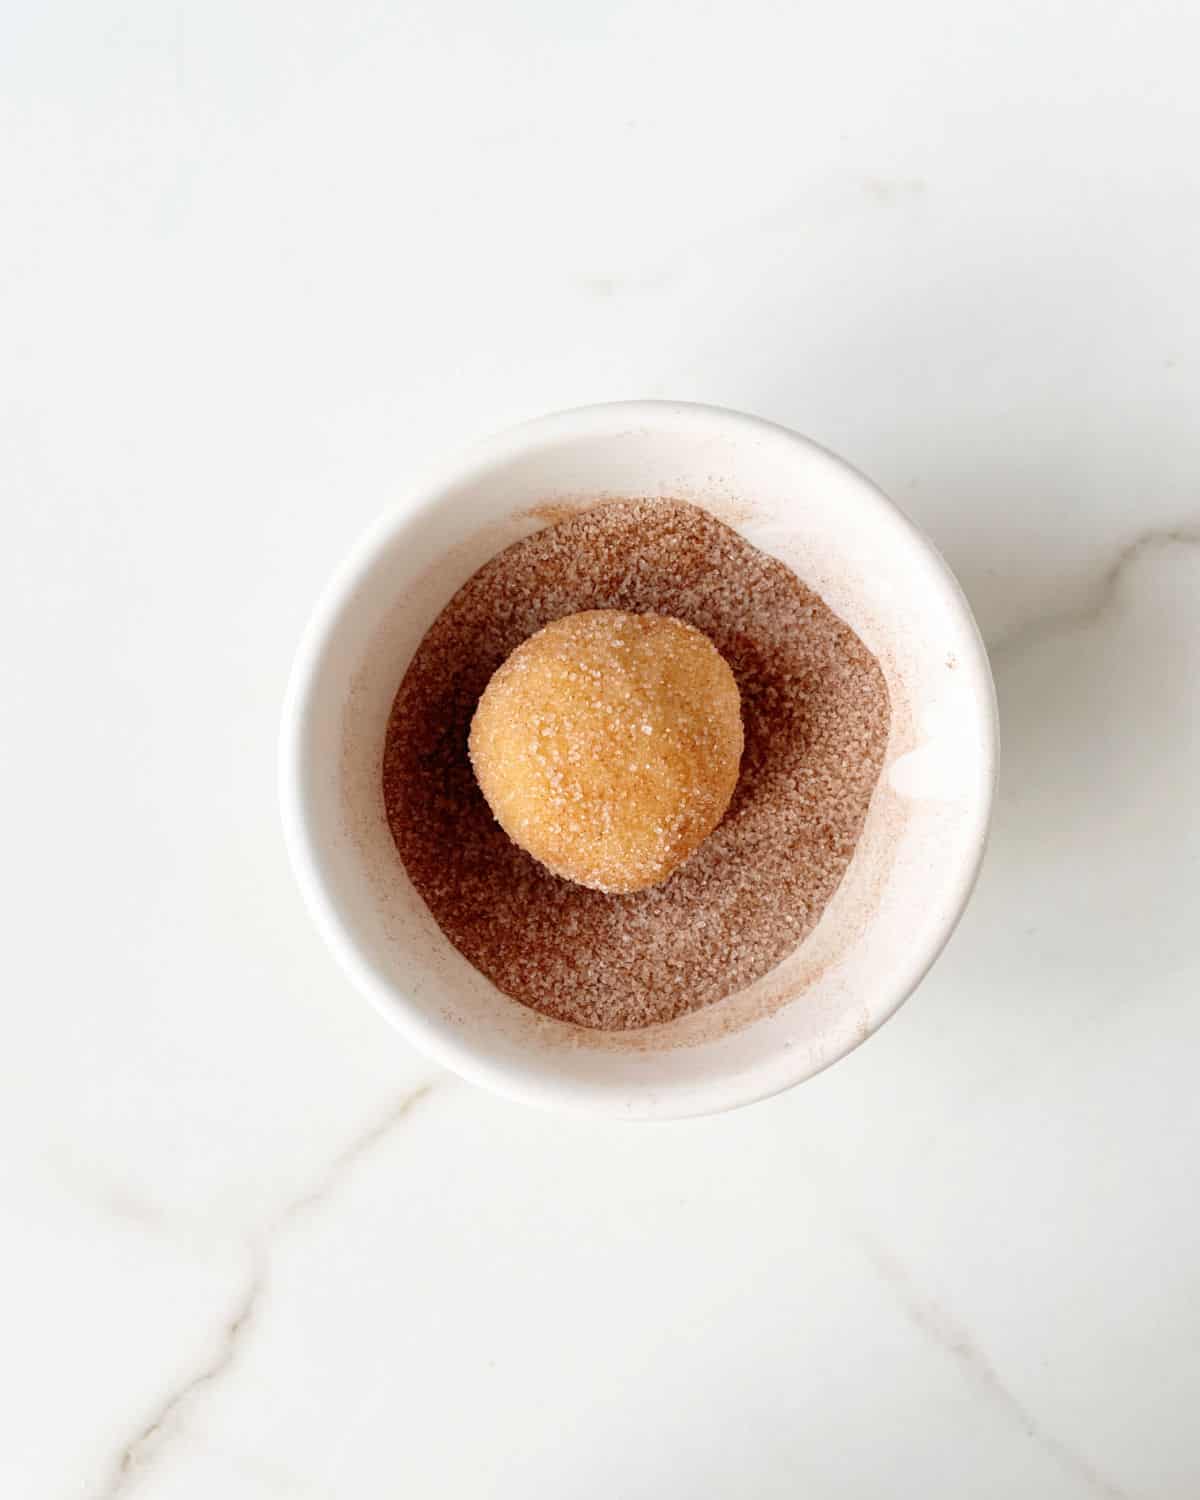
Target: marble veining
(140, 1450)
(1104, 591)
(977, 1369)
(263, 265)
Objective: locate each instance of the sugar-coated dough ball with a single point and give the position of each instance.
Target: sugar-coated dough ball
(608, 746)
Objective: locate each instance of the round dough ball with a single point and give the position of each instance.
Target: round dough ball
(608, 746)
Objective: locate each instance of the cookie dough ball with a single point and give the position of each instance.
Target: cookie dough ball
(608, 746)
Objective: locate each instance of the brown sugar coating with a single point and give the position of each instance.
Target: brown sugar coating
(815, 713)
(608, 744)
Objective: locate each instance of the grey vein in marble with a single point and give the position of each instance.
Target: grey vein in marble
(926, 1314)
(149, 1438)
(1103, 595)
(130, 1461)
(112, 1198)
(936, 1324)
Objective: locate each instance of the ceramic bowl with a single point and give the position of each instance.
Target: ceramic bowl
(921, 845)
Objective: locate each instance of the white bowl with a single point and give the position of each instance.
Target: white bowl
(921, 846)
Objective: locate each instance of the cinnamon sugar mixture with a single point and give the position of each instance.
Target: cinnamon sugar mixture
(816, 714)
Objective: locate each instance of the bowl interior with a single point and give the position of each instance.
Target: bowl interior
(924, 834)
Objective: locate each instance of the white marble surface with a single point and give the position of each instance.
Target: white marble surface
(260, 262)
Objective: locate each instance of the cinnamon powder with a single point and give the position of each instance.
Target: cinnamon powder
(816, 715)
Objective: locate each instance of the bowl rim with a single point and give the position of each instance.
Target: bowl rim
(424, 494)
